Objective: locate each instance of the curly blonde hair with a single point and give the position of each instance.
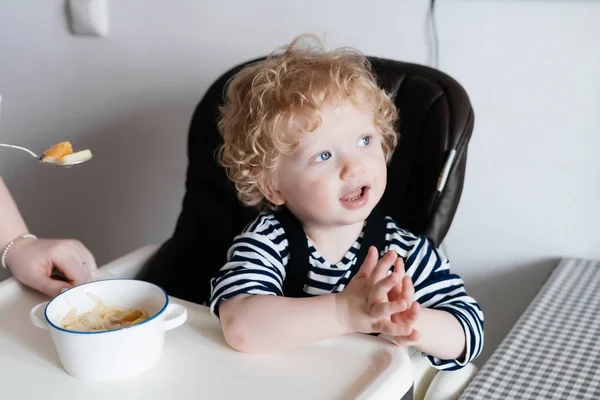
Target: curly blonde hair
(267, 99)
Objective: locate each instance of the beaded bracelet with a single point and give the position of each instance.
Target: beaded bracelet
(11, 244)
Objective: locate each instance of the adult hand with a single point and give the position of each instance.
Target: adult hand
(31, 261)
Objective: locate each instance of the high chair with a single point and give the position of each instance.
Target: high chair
(425, 181)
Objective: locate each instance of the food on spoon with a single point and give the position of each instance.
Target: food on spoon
(102, 318)
(62, 153)
(79, 156)
(58, 151)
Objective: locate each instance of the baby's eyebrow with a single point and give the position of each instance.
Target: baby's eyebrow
(303, 153)
(309, 149)
(312, 154)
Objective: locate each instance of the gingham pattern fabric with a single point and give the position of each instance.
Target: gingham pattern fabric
(553, 351)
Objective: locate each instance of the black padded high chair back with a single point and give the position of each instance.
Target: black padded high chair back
(435, 125)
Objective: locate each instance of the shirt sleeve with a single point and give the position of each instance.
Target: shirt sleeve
(438, 288)
(254, 267)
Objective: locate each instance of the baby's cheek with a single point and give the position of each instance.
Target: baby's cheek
(319, 190)
(380, 176)
(312, 194)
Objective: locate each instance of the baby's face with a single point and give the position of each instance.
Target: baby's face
(338, 172)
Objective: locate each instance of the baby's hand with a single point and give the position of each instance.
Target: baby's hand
(364, 305)
(405, 291)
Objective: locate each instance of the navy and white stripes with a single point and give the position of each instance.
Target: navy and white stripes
(258, 256)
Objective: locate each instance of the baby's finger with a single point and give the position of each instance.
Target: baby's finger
(388, 308)
(369, 264)
(409, 340)
(379, 291)
(413, 312)
(408, 288)
(383, 266)
(389, 328)
(399, 266)
(408, 317)
(396, 292)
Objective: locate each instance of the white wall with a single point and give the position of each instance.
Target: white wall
(533, 176)
(530, 67)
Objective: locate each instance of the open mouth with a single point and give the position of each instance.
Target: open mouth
(356, 197)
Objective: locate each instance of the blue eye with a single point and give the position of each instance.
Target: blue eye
(365, 141)
(324, 156)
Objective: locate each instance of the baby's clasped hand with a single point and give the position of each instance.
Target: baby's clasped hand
(365, 306)
(407, 318)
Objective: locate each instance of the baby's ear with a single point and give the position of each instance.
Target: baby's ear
(271, 193)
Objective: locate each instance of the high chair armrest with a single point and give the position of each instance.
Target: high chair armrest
(127, 266)
(449, 385)
(432, 384)
(423, 373)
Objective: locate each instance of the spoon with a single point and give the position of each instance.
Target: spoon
(39, 158)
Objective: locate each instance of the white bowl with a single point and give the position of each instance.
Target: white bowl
(115, 354)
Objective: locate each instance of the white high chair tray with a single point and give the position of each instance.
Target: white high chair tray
(198, 363)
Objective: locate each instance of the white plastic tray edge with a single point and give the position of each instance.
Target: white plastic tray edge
(386, 386)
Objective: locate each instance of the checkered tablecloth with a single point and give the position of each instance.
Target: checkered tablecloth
(553, 351)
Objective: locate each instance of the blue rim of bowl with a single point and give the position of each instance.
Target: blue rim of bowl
(112, 330)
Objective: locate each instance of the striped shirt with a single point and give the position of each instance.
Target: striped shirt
(258, 257)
